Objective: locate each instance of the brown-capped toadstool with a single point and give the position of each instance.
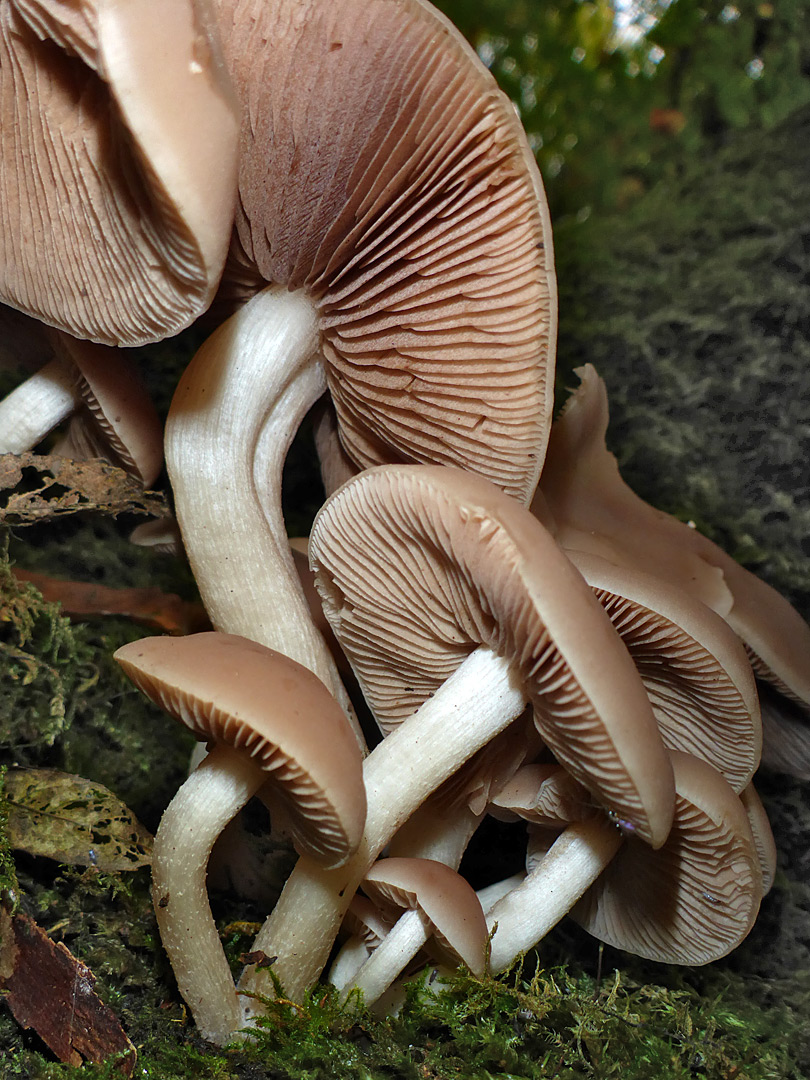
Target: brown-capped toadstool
(274, 728)
(454, 606)
(595, 511)
(95, 385)
(427, 899)
(401, 225)
(117, 164)
(690, 902)
(693, 666)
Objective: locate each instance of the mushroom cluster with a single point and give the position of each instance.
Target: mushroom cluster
(532, 640)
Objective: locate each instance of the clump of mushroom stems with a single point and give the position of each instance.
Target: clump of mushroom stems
(480, 699)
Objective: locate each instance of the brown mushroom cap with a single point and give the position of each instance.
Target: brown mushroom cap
(448, 901)
(226, 688)
(595, 511)
(694, 899)
(117, 165)
(407, 204)
(419, 565)
(692, 664)
(119, 420)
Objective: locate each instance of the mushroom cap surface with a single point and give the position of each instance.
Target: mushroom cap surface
(694, 899)
(693, 666)
(406, 202)
(397, 885)
(117, 164)
(228, 689)
(419, 565)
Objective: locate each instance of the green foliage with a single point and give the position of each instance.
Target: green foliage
(588, 94)
(9, 887)
(40, 665)
(552, 1025)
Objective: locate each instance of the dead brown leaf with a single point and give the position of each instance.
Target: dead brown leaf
(39, 487)
(52, 992)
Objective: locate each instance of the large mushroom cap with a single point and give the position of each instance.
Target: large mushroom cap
(694, 899)
(117, 164)
(693, 666)
(406, 202)
(442, 895)
(226, 688)
(419, 565)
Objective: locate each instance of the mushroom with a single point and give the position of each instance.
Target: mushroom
(417, 565)
(366, 928)
(693, 666)
(689, 902)
(275, 729)
(401, 225)
(117, 165)
(427, 899)
(113, 416)
(595, 511)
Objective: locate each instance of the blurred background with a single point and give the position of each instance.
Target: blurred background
(618, 94)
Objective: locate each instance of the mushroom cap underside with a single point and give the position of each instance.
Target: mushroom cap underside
(418, 565)
(226, 688)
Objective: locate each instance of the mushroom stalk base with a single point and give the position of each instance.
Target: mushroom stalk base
(400, 945)
(35, 407)
(480, 699)
(526, 914)
(207, 801)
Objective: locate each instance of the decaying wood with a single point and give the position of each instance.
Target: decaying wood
(52, 992)
(148, 606)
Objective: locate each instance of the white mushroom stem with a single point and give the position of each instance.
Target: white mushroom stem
(491, 894)
(231, 422)
(432, 834)
(207, 801)
(350, 958)
(396, 950)
(526, 914)
(36, 406)
(480, 699)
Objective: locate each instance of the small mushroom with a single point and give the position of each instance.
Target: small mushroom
(273, 728)
(595, 511)
(427, 899)
(693, 666)
(690, 902)
(112, 414)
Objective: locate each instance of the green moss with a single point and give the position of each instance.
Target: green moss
(693, 307)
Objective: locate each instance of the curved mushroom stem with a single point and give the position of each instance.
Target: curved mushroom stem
(231, 422)
(396, 950)
(489, 895)
(350, 958)
(480, 699)
(527, 913)
(443, 837)
(214, 793)
(36, 406)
